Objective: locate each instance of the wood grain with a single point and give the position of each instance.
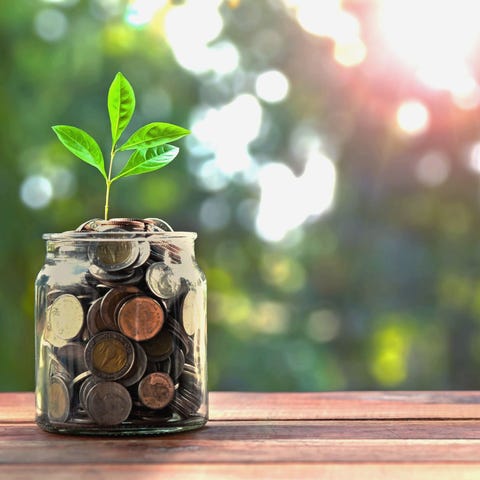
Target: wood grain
(385, 435)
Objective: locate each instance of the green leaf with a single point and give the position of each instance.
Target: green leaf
(121, 105)
(149, 160)
(81, 144)
(153, 135)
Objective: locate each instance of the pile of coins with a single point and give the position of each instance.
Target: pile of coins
(120, 345)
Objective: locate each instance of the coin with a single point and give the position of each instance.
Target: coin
(162, 281)
(93, 317)
(156, 390)
(140, 318)
(191, 311)
(159, 347)
(109, 355)
(138, 369)
(49, 334)
(109, 304)
(58, 400)
(112, 256)
(178, 332)
(109, 403)
(143, 254)
(178, 363)
(65, 317)
(160, 224)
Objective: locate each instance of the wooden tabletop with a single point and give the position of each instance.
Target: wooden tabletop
(364, 435)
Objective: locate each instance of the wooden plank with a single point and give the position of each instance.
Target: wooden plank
(19, 407)
(331, 471)
(344, 405)
(248, 442)
(299, 430)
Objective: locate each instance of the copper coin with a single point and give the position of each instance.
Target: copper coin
(109, 304)
(160, 346)
(58, 400)
(156, 390)
(109, 355)
(140, 318)
(109, 403)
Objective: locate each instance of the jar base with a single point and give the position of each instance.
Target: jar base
(123, 430)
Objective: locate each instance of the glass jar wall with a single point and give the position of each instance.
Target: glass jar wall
(120, 334)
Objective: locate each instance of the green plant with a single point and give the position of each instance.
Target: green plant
(149, 143)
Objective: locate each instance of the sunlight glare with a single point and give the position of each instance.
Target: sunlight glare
(433, 38)
(227, 131)
(287, 201)
(413, 117)
(203, 22)
(272, 86)
(350, 53)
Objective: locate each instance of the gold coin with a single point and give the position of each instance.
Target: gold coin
(109, 355)
(65, 317)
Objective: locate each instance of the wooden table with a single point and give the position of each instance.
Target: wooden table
(364, 435)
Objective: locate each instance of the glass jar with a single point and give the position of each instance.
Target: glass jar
(120, 334)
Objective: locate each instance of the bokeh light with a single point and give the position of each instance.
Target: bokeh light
(272, 86)
(413, 117)
(50, 24)
(36, 191)
(287, 201)
(435, 39)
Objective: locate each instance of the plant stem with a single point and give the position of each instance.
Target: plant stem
(108, 182)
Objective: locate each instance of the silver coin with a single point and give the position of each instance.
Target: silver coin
(110, 277)
(113, 256)
(109, 403)
(192, 311)
(65, 317)
(143, 254)
(161, 225)
(58, 400)
(162, 281)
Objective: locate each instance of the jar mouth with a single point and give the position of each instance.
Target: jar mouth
(118, 235)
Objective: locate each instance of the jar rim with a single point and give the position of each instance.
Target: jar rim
(118, 235)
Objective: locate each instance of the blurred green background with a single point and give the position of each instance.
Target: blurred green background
(332, 175)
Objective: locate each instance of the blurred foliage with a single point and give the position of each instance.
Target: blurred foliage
(380, 292)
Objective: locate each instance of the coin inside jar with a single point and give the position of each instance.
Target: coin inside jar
(140, 318)
(156, 390)
(162, 281)
(65, 317)
(109, 403)
(159, 347)
(58, 400)
(109, 355)
(114, 255)
(190, 311)
(109, 304)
